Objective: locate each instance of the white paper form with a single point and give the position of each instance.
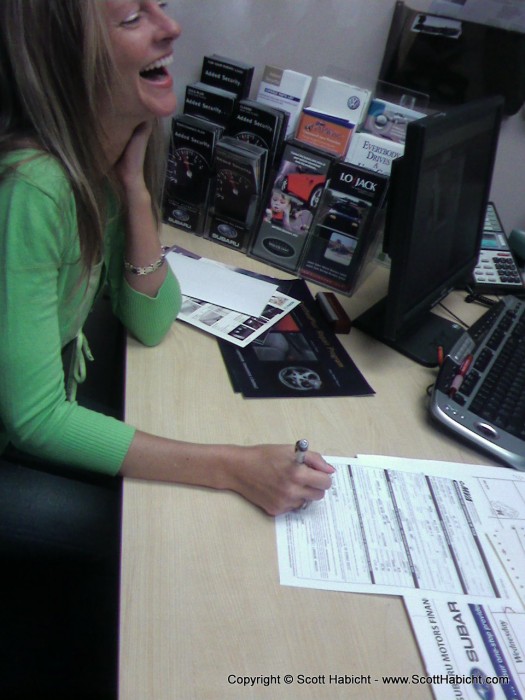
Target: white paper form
(399, 527)
(206, 280)
(509, 545)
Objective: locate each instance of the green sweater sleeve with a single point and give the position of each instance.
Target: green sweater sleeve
(147, 318)
(43, 300)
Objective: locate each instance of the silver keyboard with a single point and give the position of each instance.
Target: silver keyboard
(480, 390)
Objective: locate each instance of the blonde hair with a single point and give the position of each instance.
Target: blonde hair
(55, 64)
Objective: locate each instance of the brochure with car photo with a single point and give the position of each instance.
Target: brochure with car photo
(345, 227)
(298, 357)
(291, 204)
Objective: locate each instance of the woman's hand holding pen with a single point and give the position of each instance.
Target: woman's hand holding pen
(269, 476)
(272, 479)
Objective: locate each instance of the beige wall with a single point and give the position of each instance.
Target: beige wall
(319, 37)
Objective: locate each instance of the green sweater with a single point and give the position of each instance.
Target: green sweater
(44, 301)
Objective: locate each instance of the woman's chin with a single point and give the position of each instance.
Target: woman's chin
(161, 106)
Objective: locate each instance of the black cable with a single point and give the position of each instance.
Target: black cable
(454, 316)
(475, 298)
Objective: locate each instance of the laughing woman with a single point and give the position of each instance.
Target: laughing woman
(83, 86)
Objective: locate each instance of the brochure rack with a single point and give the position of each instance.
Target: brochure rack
(298, 205)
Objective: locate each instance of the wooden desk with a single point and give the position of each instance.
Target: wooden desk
(201, 601)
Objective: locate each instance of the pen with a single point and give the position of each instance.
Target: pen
(460, 376)
(301, 448)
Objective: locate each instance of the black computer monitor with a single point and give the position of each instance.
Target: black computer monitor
(436, 209)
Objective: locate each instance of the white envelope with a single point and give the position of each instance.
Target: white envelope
(203, 279)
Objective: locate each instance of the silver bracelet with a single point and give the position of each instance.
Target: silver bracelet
(136, 270)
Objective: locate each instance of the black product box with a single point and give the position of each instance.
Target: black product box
(236, 192)
(188, 173)
(239, 172)
(228, 74)
(209, 102)
(291, 203)
(345, 227)
(259, 124)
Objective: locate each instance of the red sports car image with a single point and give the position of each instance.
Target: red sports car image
(305, 186)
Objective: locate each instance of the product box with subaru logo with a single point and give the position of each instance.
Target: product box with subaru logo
(235, 195)
(188, 172)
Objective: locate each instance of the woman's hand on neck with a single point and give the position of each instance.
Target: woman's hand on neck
(129, 165)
